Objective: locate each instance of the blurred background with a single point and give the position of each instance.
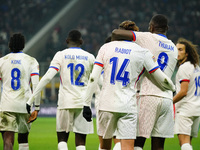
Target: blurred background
(46, 23)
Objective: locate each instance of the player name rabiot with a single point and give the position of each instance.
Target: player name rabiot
(79, 57)
(15, 61)
(166, 46)
(122, 50)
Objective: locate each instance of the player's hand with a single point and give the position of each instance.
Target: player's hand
(28, 108)
(87, 113)
(33, 116)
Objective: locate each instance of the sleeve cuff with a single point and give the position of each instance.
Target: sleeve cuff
(37, 107)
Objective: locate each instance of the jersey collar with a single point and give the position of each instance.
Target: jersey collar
(17, 52)
(163, 35)
(74, 48)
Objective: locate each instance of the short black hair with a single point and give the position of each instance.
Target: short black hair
(160, 21)
(74, 35)
(17, 42)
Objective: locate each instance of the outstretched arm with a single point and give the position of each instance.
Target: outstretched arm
(45, 79)
(35, 81)
(34, 114)
(163, 80)
(91, 87)
(36, 93)
(119, 34)
(94, 77)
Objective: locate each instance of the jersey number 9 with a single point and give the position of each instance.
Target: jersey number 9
(163, 60)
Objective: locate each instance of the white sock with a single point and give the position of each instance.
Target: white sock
(186, 146)
(80, 147)
(137, 148)
(23, 146)
(117, 146)
(99, 147)
(62, 146)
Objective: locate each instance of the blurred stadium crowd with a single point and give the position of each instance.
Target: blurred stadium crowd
(28, 17)
(25, 16)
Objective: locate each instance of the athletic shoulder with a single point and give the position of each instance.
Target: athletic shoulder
(88, 53)
(30, 58)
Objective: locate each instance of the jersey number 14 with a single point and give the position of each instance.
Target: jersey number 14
(121, 75)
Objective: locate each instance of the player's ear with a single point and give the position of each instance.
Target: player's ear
(81, 41)
(67, 41)
(150, 28)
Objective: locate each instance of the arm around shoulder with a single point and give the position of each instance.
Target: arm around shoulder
(119, 34)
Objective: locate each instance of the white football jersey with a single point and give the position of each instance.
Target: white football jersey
(75, 66)
(190, 104)
(122, 62)
(16, 70)
(166, 55)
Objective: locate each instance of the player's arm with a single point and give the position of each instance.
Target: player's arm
(182, 93)
(94, 78)
(35, 81)
(51, 72)
(0, 88)
(34, 114)
(152, 66)
(163, 80)
(119, 34)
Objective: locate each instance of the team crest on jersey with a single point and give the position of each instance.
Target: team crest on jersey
(154, 59)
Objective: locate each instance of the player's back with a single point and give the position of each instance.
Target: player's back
(75, 67)
(166, 54)
(16, 70)
(123, 62)
(190, 104)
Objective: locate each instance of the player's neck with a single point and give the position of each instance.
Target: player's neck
(73, 45)
(157, 32)
(182, 61)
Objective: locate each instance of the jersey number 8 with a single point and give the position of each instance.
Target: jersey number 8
(15, 81)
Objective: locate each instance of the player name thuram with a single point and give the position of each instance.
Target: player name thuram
(166, 46)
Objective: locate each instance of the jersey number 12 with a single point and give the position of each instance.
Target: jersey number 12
(75, 69)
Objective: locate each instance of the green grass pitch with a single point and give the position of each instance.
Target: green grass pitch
(43, 137)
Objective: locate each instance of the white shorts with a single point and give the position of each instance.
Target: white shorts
(72, 120)
(186, 125)
(16, 122)
(122, 124)
(155, 117)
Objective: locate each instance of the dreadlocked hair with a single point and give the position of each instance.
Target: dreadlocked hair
(191, 50)
(17, 42)
(128, 25)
